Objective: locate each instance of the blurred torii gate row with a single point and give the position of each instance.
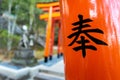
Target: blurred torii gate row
(52, 16)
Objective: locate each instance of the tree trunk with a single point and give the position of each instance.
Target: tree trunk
(32, 5)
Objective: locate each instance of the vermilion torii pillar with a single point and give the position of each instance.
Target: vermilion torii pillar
(51, 15)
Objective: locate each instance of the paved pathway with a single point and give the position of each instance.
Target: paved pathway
(53, 70)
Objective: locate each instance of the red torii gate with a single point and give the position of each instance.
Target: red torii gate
(52, 16)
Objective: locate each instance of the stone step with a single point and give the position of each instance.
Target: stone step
(47, 76)
(52, 72)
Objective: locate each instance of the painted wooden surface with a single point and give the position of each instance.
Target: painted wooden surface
(94, 28)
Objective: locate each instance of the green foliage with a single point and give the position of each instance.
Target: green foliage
(4, 39)
(3, 33)
(15, 39)
(24, 10)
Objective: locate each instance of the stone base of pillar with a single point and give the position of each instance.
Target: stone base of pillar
(59, 55)
(50, 57)
(45, 59)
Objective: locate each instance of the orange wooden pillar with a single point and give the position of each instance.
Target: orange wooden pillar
(52, 10)
(51, 41)
(60, 53)
(48, 35)
(91, 39)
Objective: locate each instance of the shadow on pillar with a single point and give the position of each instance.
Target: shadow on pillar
(59, 55)
(50, 57)
(45, 59)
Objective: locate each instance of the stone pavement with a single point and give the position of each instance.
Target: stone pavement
(53, 70)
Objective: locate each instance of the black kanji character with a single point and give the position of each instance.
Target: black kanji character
(79, 30)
